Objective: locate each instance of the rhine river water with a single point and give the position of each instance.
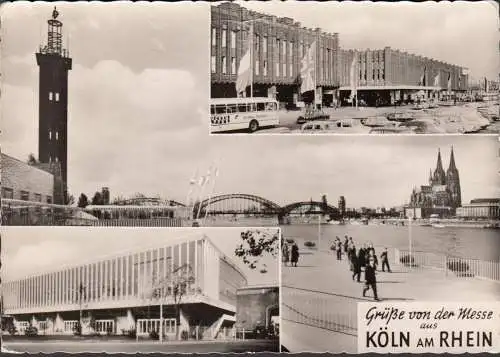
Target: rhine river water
(472, 243)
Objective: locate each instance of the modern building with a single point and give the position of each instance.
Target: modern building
(480, 208)
(280, 44)
(123, 292)
(441, 196)
(54, 63)
(389, 76)
(257, 307)
(385, 76)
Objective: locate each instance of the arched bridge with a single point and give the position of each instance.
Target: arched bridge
(239, 203)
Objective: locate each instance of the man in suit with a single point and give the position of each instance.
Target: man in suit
(370, 279)
(385, 260)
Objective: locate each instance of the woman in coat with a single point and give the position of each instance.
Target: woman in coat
(295, 254)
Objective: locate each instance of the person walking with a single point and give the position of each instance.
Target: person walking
(286, 254)
(346, 244)
(361, 257)
(295, 254)
(385, 260)
(339, 250)
(356, 268)
(370, 279)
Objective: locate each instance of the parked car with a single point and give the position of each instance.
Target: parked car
(312, 114)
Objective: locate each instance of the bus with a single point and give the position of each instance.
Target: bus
(227, 114)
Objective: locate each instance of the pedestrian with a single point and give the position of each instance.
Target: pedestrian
(370, 279)
(339, 250)
(361, 257)
(346, 244)
(356, 268)
(385, 260)
(372, 255)
(295, 254)
(286, 254)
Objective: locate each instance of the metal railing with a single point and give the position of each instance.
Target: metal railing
(137, 222)
(452, 266)
(323, 310)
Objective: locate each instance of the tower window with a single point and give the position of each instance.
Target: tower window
(57, 135)
(50, 134)
(57, 96)
(51, 96)
(57, 159)
(50, 159)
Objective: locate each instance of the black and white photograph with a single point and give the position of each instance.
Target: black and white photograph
(97, 100)
(417, 220)
(354, 67)
(184, 290)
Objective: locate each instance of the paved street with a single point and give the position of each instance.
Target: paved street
(460, 118)
(142, 347)
(330, 296)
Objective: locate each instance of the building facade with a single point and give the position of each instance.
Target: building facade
(441, 196)
(384, 76)
(279, 46)
(123, 292)
(390, 76)
(480, 208)
(257, 306)
(54, 63)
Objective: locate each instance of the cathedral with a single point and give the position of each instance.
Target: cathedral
(441, 196)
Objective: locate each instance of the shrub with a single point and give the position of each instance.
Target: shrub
(31, 331)
(184, 335)
(154, 335)
(12, 330)
(309, 244)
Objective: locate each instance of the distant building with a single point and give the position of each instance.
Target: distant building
(105, 195)
(342, 208)
(441, 196)
(487, 208)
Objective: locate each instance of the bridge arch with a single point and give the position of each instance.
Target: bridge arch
(309, 206)
(265, 206)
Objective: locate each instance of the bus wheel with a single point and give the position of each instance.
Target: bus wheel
(254, 125)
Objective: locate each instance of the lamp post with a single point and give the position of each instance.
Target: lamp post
(161, 302)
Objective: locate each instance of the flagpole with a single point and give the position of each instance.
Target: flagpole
(315, 70)
(356, 78)
(216, 170)
(251, 57)
(200, 200)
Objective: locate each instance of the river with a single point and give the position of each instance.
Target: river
(472, 243)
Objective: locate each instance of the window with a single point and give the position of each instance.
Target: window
(57, 135)
(50, 159)
(213, 64)
(220, 109)
(301, 49)
(224, 38)
(57, 96)
(264, 44)
(38, 197)
(57, 159)
(257, 44)
(231, 108)
(233, 65)
(25, 195)
(51, 96)
(50, 134)
(224, 65)
(290, 72)
(233, 39)
(242, 108)
(277, 69)
(214, 36)
(257, 64)
(7, 193)
(265, 67)
(284, 69)
(290, 51)
(261, 107)
(283, 52)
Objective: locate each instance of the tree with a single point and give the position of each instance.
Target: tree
(255, 244)
(83, 201)
(97, 199)
(32, 159)
(177, 283)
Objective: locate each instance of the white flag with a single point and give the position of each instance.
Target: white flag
(354, 75)
(437, 79)
(308, 69)
(244, 77)
(449, 82)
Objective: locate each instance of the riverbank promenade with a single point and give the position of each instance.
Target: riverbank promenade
(319, 297)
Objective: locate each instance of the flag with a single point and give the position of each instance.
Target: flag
(353, 76)
(422, 78)
(244, 78)
(449, 81)
(437, 79)
(307, 72)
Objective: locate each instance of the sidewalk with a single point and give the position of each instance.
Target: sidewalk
(322, 290)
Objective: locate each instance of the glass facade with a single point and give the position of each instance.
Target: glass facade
(131, 276)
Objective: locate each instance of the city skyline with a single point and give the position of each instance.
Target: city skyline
(30, 248)
(445, 28)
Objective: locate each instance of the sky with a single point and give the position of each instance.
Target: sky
(460, 32)
(30, 250)
(138, 117)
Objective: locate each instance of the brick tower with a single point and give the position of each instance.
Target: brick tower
(54, 63)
